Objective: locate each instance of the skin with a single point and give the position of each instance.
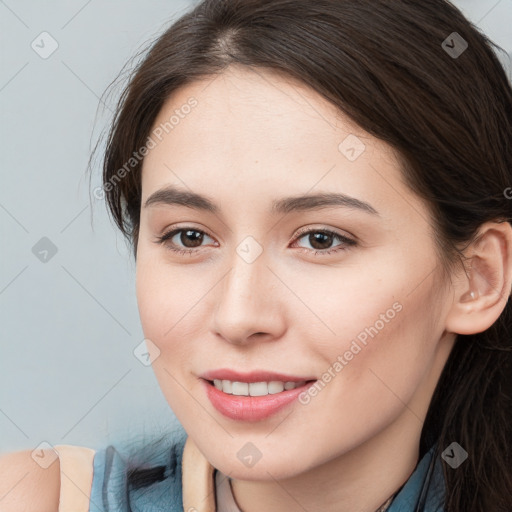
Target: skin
(255, 137)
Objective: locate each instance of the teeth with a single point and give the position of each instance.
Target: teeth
(226, 386)
(240, 388)
(275, 387)
(258, 389)
(255, 388)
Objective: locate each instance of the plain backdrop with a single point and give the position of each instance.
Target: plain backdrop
(68, 314)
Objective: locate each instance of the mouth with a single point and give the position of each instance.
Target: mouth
(262, 388)
(250, 399)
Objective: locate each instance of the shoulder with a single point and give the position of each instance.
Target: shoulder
(67, 478)
(35, 480)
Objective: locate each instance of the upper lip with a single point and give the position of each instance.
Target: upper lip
(253, 376)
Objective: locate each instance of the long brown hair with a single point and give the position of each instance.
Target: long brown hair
(449, 117)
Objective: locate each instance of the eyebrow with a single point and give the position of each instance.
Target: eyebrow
(172, 196)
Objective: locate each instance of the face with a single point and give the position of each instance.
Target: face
(307, 261)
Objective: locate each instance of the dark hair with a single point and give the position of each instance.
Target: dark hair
(449, 118)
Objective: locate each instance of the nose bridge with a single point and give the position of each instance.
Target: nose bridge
(245, 303)
(247, 275)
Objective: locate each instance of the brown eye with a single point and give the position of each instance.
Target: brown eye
(321, 241)
(183, 240)
(191, 238)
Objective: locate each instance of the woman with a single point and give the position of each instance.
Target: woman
(318, 198)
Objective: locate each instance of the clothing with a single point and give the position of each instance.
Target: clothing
(187, 482)
(224, 497)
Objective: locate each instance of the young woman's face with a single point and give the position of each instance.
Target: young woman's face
(282, 282)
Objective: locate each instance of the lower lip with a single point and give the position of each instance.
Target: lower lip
(251, 408)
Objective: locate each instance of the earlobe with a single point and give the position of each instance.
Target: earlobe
(481, 295)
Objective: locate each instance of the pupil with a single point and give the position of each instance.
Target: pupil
(317, 237)
(189, 233)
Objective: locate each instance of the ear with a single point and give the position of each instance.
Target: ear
(482, 290)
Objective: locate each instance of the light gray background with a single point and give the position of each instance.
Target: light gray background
(69, 325)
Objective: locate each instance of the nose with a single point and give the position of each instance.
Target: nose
(250, 303)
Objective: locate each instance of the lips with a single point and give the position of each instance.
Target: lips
(254, 376)
(239, 406)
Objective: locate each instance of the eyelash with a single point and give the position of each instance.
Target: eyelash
(347, 242)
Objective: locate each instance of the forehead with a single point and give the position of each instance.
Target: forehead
(250, 106)
(261, 133)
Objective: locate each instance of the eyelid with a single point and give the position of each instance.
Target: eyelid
(308, 229)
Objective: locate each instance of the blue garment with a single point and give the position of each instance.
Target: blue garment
(111, 492)
(423, 491)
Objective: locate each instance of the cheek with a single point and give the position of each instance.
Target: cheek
(382, 342)
(375, 369)
(168, 297)
(166, 309)
(172, 304)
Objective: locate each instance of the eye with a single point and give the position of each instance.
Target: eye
(321, 239)
(190, 237)
(192, 240)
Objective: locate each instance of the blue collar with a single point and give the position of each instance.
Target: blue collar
(424, 490)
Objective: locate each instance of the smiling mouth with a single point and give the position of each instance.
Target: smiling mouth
(254, 395)
(253, 401)
(255, 389)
